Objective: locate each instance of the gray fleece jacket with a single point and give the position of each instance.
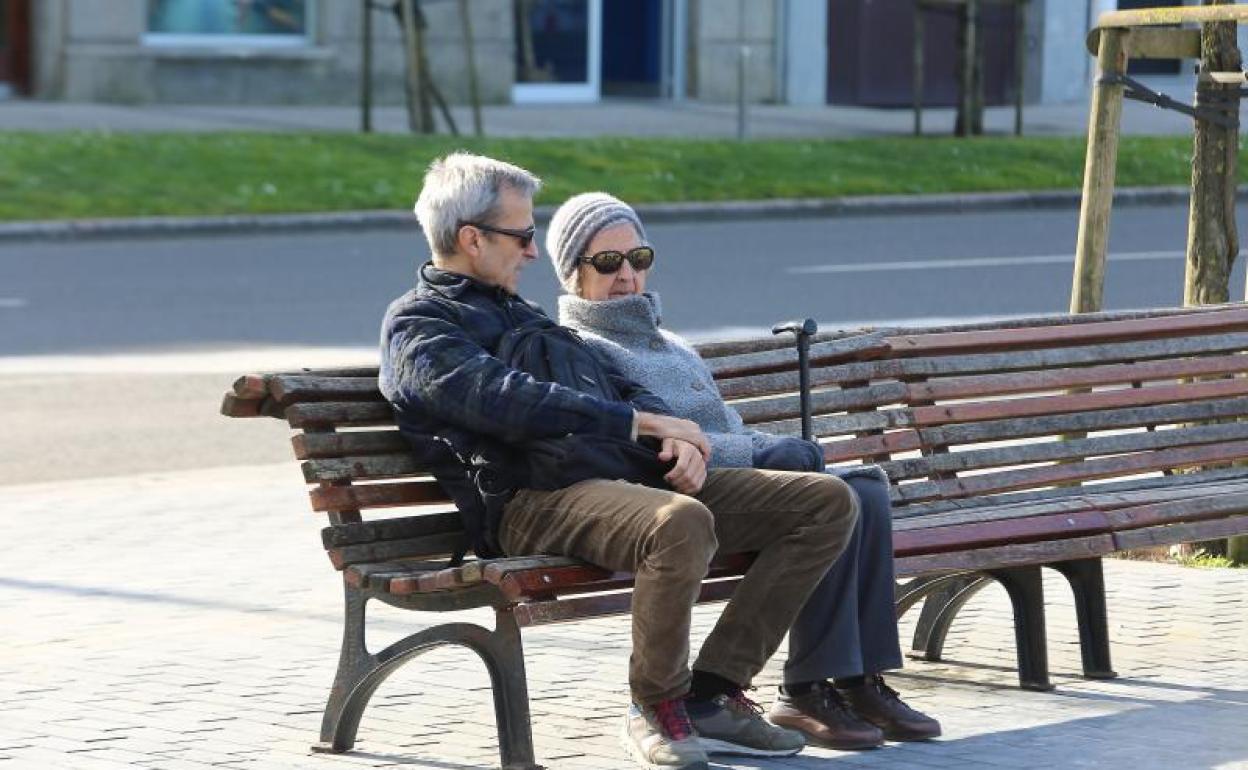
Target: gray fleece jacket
(628, 331)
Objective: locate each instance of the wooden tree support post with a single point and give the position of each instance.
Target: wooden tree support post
(474, 91)
(366, 66)
(1087, 291)
(419, 109)
(917, 64)
(968, 40)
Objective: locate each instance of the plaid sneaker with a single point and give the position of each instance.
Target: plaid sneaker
(734, 724)
(659, 737)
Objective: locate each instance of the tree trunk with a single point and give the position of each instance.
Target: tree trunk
(1212, 236)
(970, 48)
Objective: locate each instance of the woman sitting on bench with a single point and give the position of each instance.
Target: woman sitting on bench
(846, 635)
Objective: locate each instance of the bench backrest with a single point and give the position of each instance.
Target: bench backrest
(951, 413)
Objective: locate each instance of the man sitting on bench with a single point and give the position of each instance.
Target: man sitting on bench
(448, 389)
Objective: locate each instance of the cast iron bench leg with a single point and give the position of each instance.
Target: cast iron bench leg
(939, 610)
(1087, 582)
(915, 590)
(361, 673)
(1026, 589)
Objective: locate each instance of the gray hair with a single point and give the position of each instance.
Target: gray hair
(462, 187)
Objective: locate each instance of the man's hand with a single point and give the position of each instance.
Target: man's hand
(689, 474)
(663, 427)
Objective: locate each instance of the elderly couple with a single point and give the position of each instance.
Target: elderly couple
(823, 571)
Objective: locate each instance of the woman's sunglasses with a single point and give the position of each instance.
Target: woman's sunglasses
(608, 262)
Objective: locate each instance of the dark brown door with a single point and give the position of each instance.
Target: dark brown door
(871, 50)
(15, 44)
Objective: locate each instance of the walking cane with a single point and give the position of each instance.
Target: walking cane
(803, 331)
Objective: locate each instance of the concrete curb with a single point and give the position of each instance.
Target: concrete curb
(870, 205)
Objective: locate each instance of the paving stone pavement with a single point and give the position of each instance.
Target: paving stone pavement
(189, 620)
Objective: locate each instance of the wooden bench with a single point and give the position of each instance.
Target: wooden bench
(1011, 446)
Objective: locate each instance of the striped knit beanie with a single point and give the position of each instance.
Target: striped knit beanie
(576, 223)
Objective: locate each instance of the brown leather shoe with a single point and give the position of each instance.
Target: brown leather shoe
(824, 717)
(880, 705)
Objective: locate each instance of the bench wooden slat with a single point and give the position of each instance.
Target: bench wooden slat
(1057, 379)
(358, 497)
(1082, 402)
(978, 459)
(311, 446)
(1171, 534)
(1021, 360)
(1144, 462)
(1136, 329)
(379, 575)
(291, 388)
(1110, 488)
(1091, 500)
(387, 466)
(251, 386)
(1033, 408)
(959, 537)
(516, 581)
(893, 392)
(822, 353)
(1108, 419)
(1021, 428)
(822, 401)
(387, 550)
(576, 608)
(332, 414)
(871, 446)
(237, 406)
(1008, 556)
(359, 533)
(1194, 509)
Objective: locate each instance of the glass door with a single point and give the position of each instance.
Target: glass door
(558, 50)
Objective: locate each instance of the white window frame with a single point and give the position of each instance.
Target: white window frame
(569, 93)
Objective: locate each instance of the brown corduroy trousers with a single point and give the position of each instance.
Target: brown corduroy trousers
(797, 523)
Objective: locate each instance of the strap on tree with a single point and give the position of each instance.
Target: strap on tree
(1210, 106)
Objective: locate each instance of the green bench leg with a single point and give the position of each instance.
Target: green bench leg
(361, 673)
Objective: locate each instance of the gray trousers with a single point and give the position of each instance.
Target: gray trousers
(848, 626)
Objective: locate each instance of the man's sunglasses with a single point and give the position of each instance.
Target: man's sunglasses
(608, 262)
(525, 236)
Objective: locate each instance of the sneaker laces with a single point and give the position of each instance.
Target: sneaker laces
(673, 719)
(743, 704)
(878, 682)
(831, 700)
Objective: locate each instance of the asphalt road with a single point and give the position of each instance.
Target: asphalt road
(185, 310)
(330, 289)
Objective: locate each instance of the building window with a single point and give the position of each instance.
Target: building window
(552, 41)
(253, 22)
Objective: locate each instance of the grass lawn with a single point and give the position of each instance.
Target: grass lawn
(73, 175)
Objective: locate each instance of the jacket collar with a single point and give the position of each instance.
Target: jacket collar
(453, 285)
